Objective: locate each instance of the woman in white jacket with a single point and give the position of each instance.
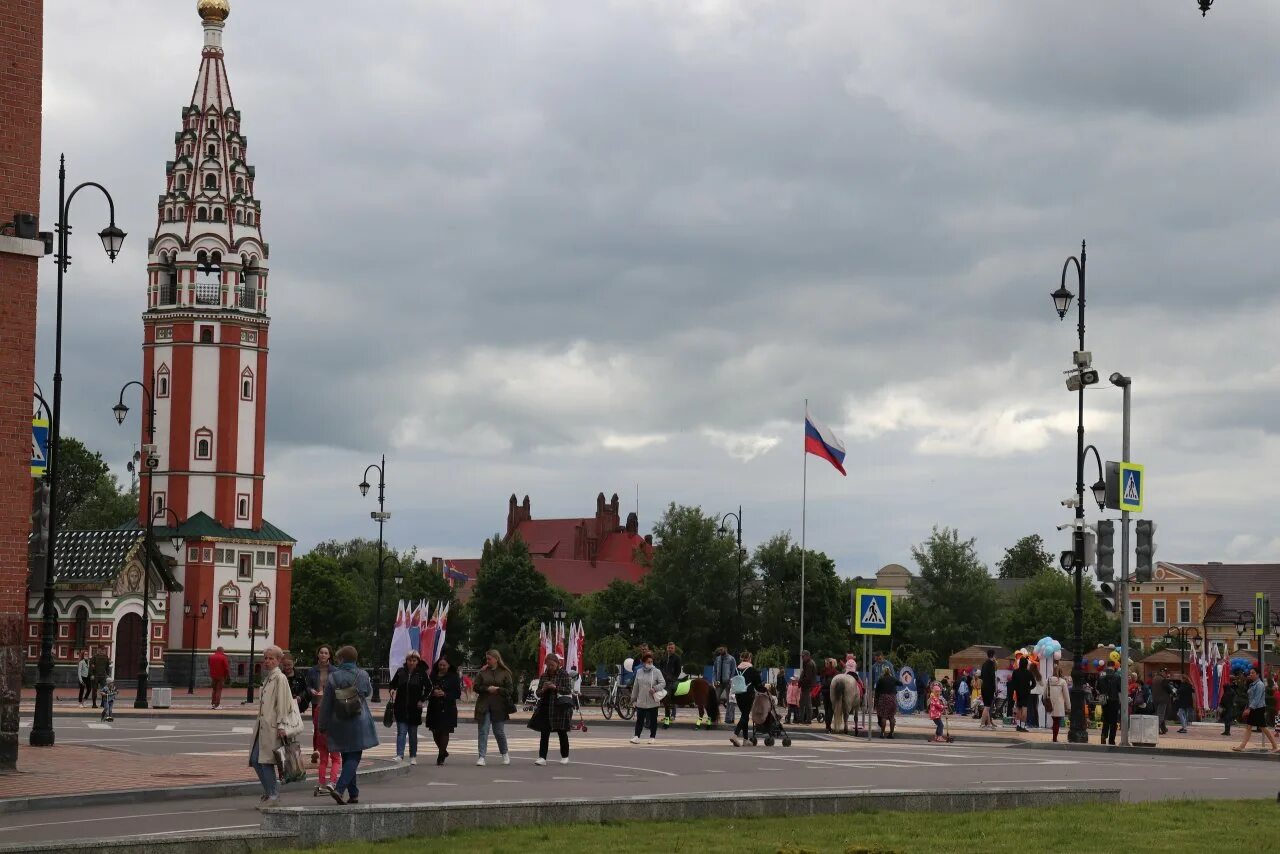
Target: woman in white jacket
(644, 687)
(1058, 696)
(274, 705)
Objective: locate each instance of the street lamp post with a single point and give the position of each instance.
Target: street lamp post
(254, 602)
(737, 518)
(112, 238)
(1247, 623)
(1078, 733)
(1181, 633)
(380, 516)
(150, 463)
(194, 617)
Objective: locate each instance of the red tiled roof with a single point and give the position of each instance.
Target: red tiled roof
(573, 576)
(621, 547)
(1235, 585)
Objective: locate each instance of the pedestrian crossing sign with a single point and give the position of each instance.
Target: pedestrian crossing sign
(873, 610)
(1132, 484)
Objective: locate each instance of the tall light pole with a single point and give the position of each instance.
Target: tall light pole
(254, 602)
(112, 239)
(380, 516)
(737, 518)
(195, 617)
(1078, 732)
(150, 462)
(1126, 384)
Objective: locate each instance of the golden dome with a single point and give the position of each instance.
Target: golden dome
(213, 10)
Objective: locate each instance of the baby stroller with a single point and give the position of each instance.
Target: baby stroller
(765, 721)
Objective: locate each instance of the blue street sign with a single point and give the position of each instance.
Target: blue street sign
(39, 447)
(873, 609)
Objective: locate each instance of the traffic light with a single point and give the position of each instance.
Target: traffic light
(1107, 597)
(40, 521)
(1106, 570)
(1145, 530)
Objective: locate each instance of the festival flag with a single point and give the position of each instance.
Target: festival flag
(559, 647)
(415, 625)
(399, 638)
(581, 648)
(442, 626)
(542, 646)
(821, 442)
(427, 640)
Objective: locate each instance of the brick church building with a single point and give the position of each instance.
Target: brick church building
(218, 573)
(578, 555)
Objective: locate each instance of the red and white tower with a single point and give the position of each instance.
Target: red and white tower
(206, 337)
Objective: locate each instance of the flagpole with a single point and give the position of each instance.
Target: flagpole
(804, 507)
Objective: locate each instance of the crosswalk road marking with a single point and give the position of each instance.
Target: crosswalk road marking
(165, 727)
(241, 730)
(21, 724)
(99, 726)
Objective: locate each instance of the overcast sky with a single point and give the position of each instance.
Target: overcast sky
(574, 246)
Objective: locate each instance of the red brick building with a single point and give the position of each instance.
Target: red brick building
(21, 58)
(578, 555)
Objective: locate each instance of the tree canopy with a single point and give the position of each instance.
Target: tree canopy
(955, 602)
(89, 495)
(1025, 558)
(1045, 606)
(510, 595)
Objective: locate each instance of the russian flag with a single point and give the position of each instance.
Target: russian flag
(821, 442)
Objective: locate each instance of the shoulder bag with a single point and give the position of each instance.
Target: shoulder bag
(292, 723)
(346, 702)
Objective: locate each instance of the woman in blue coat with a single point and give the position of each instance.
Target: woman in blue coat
(346, 722)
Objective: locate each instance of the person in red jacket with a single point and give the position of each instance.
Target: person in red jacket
(219, 672)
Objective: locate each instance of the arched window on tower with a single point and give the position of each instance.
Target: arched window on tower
(246, 384)
(209, 280)
(248, 218)
(168, 279)
(202, 214)
(217, 214)
(211, 182)
(182, 182)
(213, 124)
(162, 381)
(168, 214)
(249, 282)
(82, 627)
(204, 444)
(212, 150)
(239, 216)
(239, 185)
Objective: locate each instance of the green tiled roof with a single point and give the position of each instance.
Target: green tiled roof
(204, 526)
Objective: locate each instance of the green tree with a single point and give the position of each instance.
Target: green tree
(321, 609)
(1045, 605)
(825, 603)
(89, 495)
(694, 579)
(955, 596)
(635, 609)
(609, 650)
(510, 594)
(1025, 558)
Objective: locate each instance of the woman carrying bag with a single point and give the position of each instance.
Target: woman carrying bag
(495, 689)
(554, 712)
(346, 722)
(408, 695)
(444, 689)
(278, 721)
(1057, 699)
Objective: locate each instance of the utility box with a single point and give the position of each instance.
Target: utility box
(161, 698)
(1144, 730)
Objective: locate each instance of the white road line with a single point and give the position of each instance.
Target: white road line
(165, 727)
(624, 775)
(566, 778)
(434, 783)
(117, 818)
(1078, 780)
(508, 781)
(241, 730)
(626, 768)
(99, 726)
(179, 833)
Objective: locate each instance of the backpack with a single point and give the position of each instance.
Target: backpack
(738, 684)
(346, 702)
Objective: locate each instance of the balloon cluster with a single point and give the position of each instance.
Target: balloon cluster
(1048, 649)
(1240, 666)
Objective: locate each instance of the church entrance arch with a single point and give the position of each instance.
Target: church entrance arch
(129, 640)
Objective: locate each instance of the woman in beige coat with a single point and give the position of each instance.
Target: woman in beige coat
(275, 703)
(1058, 696)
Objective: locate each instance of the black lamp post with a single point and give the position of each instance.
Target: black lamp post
(1181, 633)
(254, 602)
(150, 462)
(380, 516)
(112, 238)
(1078, 732)
(1247, 623)
(737, 518)
(1205, 5)
(195, 618)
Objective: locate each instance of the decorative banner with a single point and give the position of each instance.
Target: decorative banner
(908, 694)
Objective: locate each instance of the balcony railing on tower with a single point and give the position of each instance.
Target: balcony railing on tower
(168, 294)
(208, 294)
(247, 297)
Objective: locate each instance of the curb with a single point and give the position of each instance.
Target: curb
(1199, 753)
(9, 806)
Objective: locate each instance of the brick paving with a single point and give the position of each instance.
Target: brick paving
(76, 769)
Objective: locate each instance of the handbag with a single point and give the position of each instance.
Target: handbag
(389, 714)
(292, 723)
(289, 763)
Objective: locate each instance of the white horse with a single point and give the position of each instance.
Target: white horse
(846, 698)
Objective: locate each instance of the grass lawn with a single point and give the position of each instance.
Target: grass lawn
(1186, 827)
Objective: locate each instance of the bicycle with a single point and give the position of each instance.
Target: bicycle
(618, 699)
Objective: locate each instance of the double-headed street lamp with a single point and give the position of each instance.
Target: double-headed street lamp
(380, 516)
(1180, 634)
(112, 239)
(1247, 623)
(255, 602)
(195, 616)
(737, 518)
(1081, 376)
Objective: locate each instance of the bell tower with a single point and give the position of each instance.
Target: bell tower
(206, 327)
(205, 342)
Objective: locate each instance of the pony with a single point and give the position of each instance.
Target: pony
(701, 695)
(846, 698)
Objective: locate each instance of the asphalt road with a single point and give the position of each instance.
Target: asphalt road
(603, 763)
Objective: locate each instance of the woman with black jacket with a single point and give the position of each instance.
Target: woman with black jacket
(444, 689)
(746, 698)
(408, 694)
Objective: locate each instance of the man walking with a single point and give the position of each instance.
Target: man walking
(1182, 703)
(808, 677)
(219, 672)
(1109, 689)
(100, 668)
(1160, 693)
(82, 670)
(988, 676)
(1256, 713)
(724, 668)
(672, 668)
(1227, 705)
